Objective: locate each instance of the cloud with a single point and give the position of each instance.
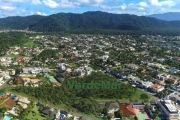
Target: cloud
(155, 3)
(51, 3)
(73, 3)
(14, 0)
(36, 2)
(143, 4)
(145, 7)
(41, 13)
(7, 8)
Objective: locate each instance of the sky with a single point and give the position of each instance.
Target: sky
(48, 7)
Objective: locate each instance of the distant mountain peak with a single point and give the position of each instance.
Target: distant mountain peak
(170, 16)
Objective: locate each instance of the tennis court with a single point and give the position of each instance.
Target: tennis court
(141, 115)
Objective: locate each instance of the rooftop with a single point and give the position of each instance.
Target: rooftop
(157, 86)
(127, 109)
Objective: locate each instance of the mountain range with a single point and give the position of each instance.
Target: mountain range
(170, 16)
(88, 21)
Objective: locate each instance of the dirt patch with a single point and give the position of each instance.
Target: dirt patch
(8, 104)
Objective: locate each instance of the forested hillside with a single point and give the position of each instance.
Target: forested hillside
(81, 99)
(9, 39)
(17, 22)
(91, 22)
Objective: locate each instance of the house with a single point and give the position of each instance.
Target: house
(131, 48)
(112, 106)
(147, 84)
(61, 66)
(18, 80)
(162, 76)
(172, 79)
(174, 71)
(62, 115)
(26, 70)
(156, 65)
(134, 79)
(24, 102)
(35, 70)
(124, 75)
(2, 96)
(127, 110)
(45, 70)
(20, 61)
(3, 61)
(132, 66)
(47, 111)
(52, 80)
(175, 97)
(157, 88)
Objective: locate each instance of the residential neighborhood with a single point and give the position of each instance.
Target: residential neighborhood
(147, 63)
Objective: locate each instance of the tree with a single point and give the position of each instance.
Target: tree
(2, 111)
(147, 107)
(144, 96)
(105, 110)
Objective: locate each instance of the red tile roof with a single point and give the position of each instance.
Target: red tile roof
(157, 87)
(127, 109)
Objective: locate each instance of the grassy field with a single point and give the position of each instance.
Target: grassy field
(135, 98)
(30, 43)
(12, 55)
(34, 114)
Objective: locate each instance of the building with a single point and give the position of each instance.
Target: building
(157, 88)
(18, 80)
(169, 110)
(147, 84)
(127, 110)
(112, 106)
(132, 66)
(172, 79)
(162, 76)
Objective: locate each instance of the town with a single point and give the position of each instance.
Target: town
(149, 64)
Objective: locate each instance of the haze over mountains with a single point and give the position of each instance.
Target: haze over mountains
(170, 16)
(87, 21)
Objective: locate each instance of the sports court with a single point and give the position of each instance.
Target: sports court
(141, 114)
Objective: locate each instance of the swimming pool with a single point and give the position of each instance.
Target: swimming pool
(1, 94)
(7, 118)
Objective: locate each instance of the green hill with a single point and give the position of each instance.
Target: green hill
(90, 22)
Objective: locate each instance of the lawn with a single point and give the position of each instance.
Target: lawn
(135, 98)
(30, 43)
(34, 114)
(12, 55)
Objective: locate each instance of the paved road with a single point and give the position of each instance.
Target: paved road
(6, 85)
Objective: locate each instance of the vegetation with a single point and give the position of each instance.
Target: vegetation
(93, 23)
(2, 111)
(30, 43)
(80, 99)
(47, 54)
(34, 114)
(11, 39)
(18, 22)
